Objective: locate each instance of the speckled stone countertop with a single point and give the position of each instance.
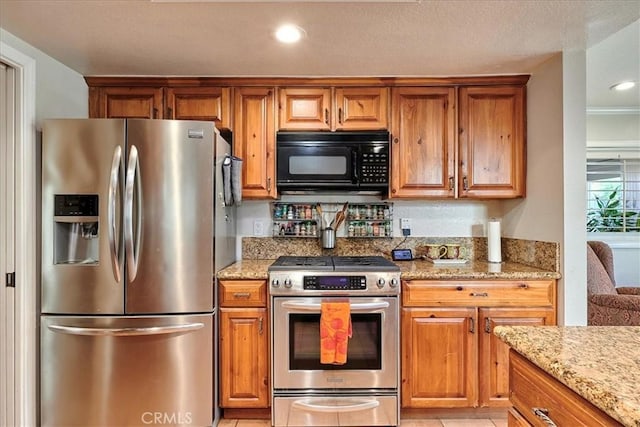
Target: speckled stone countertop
(473, 269)
(413, 270)
(600, 363)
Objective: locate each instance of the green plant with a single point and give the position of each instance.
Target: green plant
(610, 217)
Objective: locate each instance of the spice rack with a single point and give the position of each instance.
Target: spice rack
(295, 220)
(370, 220)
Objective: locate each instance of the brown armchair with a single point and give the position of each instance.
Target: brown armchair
(607, 304)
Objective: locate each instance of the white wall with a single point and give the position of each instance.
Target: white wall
(60, 91)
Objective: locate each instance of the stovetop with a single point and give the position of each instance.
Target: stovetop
(334, 263)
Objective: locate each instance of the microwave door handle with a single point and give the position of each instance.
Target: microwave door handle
(354, 165)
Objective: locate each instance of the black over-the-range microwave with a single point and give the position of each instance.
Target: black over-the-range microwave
(333, 161)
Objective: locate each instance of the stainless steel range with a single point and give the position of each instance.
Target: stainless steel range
(362, 391)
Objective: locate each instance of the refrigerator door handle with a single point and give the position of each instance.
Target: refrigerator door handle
(111, 215)
(132, 184)
(124, 332)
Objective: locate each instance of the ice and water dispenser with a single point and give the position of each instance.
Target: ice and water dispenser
(76, 229)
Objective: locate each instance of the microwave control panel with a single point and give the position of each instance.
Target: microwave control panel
(374, 165)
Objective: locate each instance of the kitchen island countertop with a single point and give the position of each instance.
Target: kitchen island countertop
(600, 363)
(412, 270)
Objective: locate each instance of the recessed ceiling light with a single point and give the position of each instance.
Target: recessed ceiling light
(289, 33)
(623, 85)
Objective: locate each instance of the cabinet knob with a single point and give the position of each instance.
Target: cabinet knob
(395, 140)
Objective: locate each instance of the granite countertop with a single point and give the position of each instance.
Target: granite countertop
(600, 363)
(413, 270)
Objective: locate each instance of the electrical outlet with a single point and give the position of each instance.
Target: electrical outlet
(258, 228)
(405, 226)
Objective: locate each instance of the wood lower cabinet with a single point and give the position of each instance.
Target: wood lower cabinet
(493, 353)
(126, 102)
(244, 345)
(541, 400)
(492, 142)
(200, 103)
(438, 357)
(254, 140)
(450, 357)
(333, 108)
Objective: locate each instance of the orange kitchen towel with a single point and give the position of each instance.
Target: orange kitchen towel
(335, 331)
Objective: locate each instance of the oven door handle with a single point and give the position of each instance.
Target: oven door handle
(362, 406)
(358, 306)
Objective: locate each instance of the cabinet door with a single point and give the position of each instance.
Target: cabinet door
(423, 142)
(254, 140)
(361, 108)
(244, 381)
(492, 142)
(305, 108)
(200, 103)
(494, 354)
(439, 357)
(125, 102)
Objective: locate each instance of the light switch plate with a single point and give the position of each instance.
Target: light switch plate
(258, 228)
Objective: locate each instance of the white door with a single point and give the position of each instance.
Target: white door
(7, 244)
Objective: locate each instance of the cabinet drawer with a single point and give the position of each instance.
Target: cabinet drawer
(243, 293)
(478, 293)
(532, 388)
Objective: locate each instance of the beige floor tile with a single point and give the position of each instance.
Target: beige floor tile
(500, 422)
(420, 423)
(466, 422)
(254, 423)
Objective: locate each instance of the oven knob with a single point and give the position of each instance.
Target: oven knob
(275, 283)
(394, 283)
(381, 283)
(287, 283)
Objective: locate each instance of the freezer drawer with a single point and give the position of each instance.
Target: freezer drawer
(335, 410)
(127, 371)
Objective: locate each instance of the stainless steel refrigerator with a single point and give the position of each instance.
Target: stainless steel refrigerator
(134, 228)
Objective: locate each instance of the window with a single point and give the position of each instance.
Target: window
(613, 193)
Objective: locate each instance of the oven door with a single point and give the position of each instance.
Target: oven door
(372, 354)
(330, 165)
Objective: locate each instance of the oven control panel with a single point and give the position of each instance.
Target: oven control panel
(338, 283)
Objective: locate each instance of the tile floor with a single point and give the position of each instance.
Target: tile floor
(449, 422)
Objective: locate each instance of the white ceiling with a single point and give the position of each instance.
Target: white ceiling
(348, 38)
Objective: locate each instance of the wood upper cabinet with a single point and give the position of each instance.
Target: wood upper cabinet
(492, 142)
(493, 362)
(126, 102)
(422, 142)
(200, 103)
(305, 108)
(340, 108)
(254, 140)
(438, 358)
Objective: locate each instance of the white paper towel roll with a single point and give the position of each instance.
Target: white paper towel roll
(493, 241)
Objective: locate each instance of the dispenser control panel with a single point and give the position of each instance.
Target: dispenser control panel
(76, 205)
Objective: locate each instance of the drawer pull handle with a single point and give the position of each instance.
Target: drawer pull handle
(241, 294)
(479, 294)
(543, 414)
(523, 285)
